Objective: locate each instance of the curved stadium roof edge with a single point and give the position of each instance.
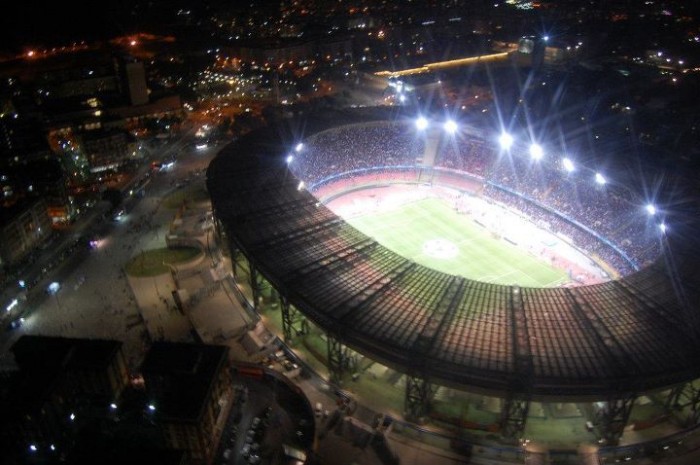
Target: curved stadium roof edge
(632, 335)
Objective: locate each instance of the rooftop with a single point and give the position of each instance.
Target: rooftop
(179, 376)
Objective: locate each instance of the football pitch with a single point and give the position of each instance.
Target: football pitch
(432, 234)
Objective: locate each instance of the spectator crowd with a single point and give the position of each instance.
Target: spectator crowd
(605, 219)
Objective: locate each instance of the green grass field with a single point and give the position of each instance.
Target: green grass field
(154, 262)
(459, 245)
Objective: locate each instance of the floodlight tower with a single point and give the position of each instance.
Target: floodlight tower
(568, 165)
(505, 140)
(536, 151)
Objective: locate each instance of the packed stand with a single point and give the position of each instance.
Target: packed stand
(545, 191)
(349, 149)
(611, 211)
(465, 156)
(551, 221)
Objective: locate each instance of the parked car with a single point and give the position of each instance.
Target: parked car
(14, 324)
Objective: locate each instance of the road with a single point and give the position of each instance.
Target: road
(94, 299)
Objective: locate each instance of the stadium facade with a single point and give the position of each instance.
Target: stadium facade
(606, 344)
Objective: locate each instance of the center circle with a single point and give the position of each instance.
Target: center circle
(440, 248)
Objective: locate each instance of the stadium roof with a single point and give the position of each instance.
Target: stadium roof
(626, 336)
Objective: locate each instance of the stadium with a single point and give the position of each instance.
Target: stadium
(614, 331)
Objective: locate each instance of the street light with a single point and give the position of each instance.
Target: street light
(53, 289)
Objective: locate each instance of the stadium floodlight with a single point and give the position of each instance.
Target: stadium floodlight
(568, 164)
(663, 228)
(402, 98)
(290, 158)
(651, 209)
(299, 147)
(506, 141)
(600, 179)
(536, 151)
(450, 126)
(421, 123)
(545, 38)
(301, 185)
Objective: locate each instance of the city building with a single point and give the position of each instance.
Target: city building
(132, 78)
(21, 140)
(108, 149)
(58, 384)
(190, 393)
(25, 225)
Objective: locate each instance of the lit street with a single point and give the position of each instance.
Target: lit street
(94, 299)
